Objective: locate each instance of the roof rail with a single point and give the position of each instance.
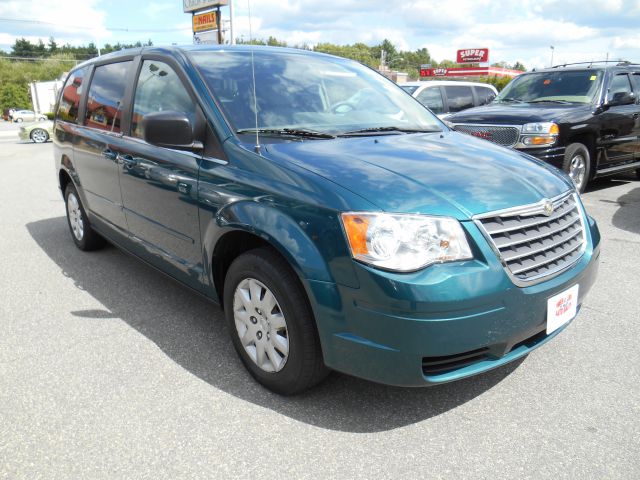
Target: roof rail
(618, 62)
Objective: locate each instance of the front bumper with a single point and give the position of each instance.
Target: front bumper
(444, 323)
(551, 155)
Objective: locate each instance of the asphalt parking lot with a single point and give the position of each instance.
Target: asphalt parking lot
(109, 369)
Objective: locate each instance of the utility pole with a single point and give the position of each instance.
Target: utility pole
(552, 50)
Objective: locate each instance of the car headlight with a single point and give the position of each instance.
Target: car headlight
(404, 242)
(538, 134)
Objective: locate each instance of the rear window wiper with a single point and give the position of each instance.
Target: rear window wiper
(564, 102)
(291, 132)
(364, 131)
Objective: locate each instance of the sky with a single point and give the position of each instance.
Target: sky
(524, 30)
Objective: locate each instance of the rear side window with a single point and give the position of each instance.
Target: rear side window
(432, 98)
(484, 95)
(70, 98)
(159, 89)
(459, 97)
(106, 94)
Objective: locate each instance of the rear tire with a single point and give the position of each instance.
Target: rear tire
(271, 323)
(18, 120)
(577, 164)
(82, 233)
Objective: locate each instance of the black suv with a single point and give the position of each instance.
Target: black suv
(583, 118)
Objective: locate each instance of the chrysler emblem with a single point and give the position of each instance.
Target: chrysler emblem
(548, 208)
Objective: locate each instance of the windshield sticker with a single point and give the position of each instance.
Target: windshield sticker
(593, 77)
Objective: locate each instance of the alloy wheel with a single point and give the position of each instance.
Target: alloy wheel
(75, 216)
(39, 135)
(577, 170)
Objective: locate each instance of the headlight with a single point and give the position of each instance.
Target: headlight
(404, 243)
(538, 134)
(544, 127)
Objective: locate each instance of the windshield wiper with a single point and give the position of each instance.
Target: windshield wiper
(514, 100)
(564, 102)
(388, 129)
(291, 132)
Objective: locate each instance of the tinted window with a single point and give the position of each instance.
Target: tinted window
(459, 97)
(159, 89)
(70, 99)
(106, 94)
(484, 95)
(575, 86)
(619, 84)
(432, 98)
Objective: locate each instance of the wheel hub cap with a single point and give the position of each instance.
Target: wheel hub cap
(260, 325)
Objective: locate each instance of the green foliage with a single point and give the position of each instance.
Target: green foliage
(50, 115)
(14, 95)
(498, 82)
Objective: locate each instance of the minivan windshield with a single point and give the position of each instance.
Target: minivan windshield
(309, 95)
(569, 86)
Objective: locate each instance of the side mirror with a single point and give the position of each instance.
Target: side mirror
(170, 130)
(621, 98)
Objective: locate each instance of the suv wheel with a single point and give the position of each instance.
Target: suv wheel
(271, 323)
(83, 235)
(39, 135)
(577, 164)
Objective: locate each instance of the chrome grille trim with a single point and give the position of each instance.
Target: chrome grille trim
(505, 135)
(532, 246)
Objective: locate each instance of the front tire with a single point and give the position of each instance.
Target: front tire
(39, 135)
(577, 164)
(82, 233)
(271, 323)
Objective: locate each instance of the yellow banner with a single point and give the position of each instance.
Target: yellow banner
(203, 22)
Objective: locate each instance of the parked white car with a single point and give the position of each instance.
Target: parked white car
(27, 116)
(444, 97)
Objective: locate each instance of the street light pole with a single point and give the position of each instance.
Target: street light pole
(552, 50)
(233, 38)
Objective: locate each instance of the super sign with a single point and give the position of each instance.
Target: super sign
(473, 55)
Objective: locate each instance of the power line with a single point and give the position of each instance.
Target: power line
(111, 29)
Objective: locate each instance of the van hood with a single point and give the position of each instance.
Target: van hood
(443, 173)
(521, 113)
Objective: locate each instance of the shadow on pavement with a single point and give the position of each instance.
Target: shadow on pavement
(627, 217)
(192, 332)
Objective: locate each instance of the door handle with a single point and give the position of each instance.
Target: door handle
(127, 160)
(110, 154)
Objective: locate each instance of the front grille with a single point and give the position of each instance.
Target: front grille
(506, 136)
(533, 244)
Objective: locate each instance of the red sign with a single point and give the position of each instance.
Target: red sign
(469, 72)
(473, 55)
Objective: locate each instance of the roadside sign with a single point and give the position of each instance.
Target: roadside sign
(194, 5)
(473, 55)
(206, 38)
(203, 22)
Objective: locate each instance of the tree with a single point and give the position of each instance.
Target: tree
(53, 46)
(14, 96)
(23, 48)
